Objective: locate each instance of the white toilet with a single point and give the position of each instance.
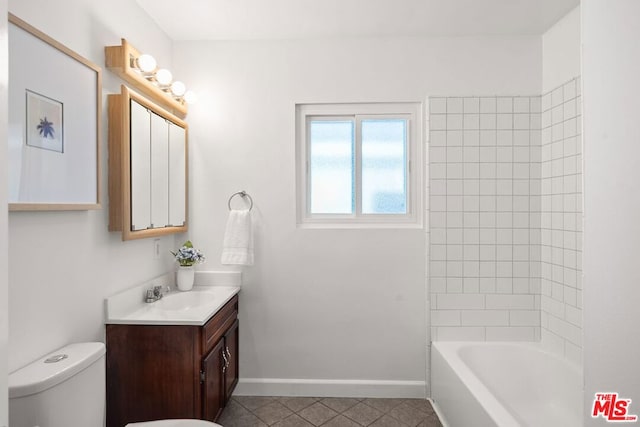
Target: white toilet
(67, 389)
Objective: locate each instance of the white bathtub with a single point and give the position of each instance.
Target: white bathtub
(504, 384)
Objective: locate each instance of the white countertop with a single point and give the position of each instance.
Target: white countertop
(193, 307)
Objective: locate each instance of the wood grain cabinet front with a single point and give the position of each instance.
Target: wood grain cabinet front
(172, 371)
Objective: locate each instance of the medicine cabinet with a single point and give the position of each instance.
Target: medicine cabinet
(147, 168)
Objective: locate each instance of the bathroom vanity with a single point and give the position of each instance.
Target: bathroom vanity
(175, 358)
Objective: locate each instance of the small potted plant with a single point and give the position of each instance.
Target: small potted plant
(187, 256)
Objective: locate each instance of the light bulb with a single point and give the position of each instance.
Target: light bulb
(164, 77)
(178, 88)
(146, 63)
(190, 97)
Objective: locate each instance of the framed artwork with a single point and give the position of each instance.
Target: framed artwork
(45, 128)
(55, 108)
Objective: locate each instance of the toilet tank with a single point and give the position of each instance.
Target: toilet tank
(63, 389)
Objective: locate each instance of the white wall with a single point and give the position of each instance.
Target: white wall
(611, 65)
(63, 264)
(561, 51)
(323, 304)
(4, 316)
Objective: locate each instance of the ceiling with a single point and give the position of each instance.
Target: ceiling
(294, 19)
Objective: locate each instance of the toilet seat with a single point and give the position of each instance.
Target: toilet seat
(174, 423)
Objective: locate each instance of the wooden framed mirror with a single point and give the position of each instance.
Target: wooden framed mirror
(148, 168)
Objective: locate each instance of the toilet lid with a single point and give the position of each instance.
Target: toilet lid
(174, 423)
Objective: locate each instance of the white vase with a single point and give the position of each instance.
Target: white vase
(185, 278)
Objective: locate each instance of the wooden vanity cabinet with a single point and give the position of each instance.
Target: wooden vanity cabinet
(172, 371)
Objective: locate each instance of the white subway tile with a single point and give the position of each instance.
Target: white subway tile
(569, 108)
(454, 220)
(471, 138)
(471, 121)
(487, 137)
(438, 187)
(471, 154)
(535, 104)
(438, 285)
(445, 318)
(488, 121)
(504, 105)
(521, 121)
(438, 203)
(471, 105)
(504, 170)
(454, 105)
(471, 253)
(471, 285)
(485, 318)
(488, 105)
(569, 89)
(438, 121)
(437, 105)
(510, 333)
(504, 285)
(438, 171)
(454, 121)
(454, 171)
(488, 170)
(551, 306)
(460, 301)
(471, 170)
(557, 97)
(453, 187)
(487, 219)
(521, 104)
(504, 137)
(545, 101)
(524, 318)
(437, 154)
(454, 236)
(438, 235)
(468, 333)
(488, 269)
(504, 269)
(487, 285)
(453, 252)
(438, 138)
(471, 220)
(510, 302)
(454, 285)
(504, 121)
(454, 138)
(566, 330)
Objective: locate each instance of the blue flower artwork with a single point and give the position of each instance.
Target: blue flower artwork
(44, 122)
(45, 128)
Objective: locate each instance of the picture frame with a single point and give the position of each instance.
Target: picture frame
(55, 110)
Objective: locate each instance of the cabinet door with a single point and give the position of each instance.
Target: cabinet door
(140, 167)
(177, 175)
(231, 339)
(213, 387)
(159, 171)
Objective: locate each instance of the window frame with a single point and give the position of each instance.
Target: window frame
(357, 112)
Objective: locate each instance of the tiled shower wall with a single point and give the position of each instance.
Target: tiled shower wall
(505, 218)
(485, 218)
(561, 239)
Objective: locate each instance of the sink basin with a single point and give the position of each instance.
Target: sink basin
(184, 300)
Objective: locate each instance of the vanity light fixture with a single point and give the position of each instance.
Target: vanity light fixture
(142, 72)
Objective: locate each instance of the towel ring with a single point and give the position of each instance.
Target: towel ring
(241, 194)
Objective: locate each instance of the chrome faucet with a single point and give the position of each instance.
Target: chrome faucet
(155, 294)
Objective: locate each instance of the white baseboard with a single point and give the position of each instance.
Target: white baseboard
(329, 388)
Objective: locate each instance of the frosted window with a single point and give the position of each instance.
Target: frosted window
(384, 175)
(331, 167)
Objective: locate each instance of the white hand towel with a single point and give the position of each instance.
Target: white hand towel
(238, 239)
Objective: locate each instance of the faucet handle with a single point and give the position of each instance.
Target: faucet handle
(157, 291)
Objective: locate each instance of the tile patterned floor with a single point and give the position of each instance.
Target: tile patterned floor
(257, 411)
